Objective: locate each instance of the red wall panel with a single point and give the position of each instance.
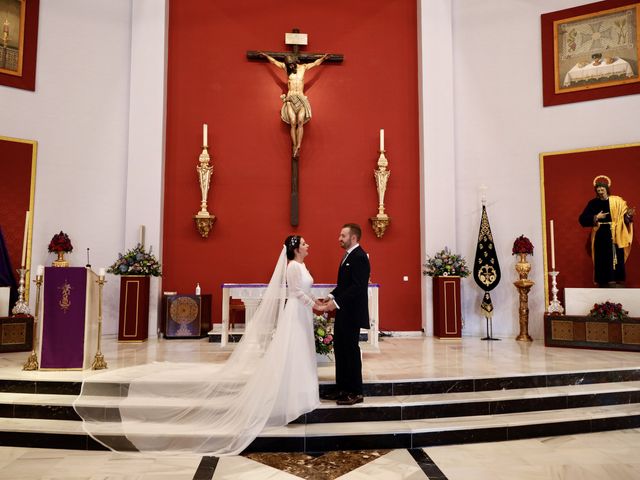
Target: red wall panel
(16, 159)
(568, 186)
(211, 81)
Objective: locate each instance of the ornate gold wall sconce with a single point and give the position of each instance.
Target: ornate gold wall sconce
(203, 219)
(381, 221)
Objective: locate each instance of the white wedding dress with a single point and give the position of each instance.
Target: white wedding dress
(270, 379)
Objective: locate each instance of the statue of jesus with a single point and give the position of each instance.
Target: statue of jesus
(296, 110)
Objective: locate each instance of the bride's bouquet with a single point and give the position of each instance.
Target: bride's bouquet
(322, 332)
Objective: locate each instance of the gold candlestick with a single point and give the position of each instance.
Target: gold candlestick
(381, 221)
(32, 361)
(523, 285)
(98, 360)
(203, 219)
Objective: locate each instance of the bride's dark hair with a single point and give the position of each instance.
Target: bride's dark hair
(292, 243)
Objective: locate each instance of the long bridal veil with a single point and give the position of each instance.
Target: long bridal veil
(215, 409)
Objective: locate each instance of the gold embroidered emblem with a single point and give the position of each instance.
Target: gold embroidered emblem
(487, 275)
(65, 300)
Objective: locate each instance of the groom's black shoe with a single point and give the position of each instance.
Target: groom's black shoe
(333, 396)
(350, 399)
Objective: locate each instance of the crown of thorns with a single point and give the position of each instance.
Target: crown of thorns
(602, 180)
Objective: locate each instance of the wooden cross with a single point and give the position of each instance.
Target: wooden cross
(295, 39)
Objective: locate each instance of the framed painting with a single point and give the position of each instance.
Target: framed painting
(591, 52)
(567, 186)
(17, 196)
(18, 43)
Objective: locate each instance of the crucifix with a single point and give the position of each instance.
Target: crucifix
(296, 109)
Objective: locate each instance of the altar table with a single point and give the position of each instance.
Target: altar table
(251, 294)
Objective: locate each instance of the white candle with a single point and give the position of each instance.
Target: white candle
(205, 135)
(382, 139)
(40, 271)
(553, 248)
(24, 240)
(141, 235)
(101, 272)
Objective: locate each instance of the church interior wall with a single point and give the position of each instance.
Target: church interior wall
(80, 114)
(211, 81)
(501, 128)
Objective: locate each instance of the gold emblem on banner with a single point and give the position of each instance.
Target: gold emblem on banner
(65, 294)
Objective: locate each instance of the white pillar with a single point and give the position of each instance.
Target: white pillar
(146, 134)
(437, 148)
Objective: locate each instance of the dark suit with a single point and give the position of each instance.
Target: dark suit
(351, 296)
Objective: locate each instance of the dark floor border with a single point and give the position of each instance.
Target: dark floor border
(428, 466)
(206, 468)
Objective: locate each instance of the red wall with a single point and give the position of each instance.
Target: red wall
(211, 81)
(568, 186)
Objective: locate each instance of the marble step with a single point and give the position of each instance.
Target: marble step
(42, 385)
(362, 435)
(407, 407)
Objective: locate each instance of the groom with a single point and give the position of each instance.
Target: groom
(350, 298)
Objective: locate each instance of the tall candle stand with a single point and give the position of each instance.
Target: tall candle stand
(21, 307)
(98, 360)
(203, 219)
(381, 221)
(554, 306)
(32, 361)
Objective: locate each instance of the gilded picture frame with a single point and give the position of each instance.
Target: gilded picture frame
(566, 185)
(591, 52)
(18, 158)
(18, 42)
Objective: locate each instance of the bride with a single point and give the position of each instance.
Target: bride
(269, 379)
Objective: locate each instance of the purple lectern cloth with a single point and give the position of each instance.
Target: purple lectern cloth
(63, 322)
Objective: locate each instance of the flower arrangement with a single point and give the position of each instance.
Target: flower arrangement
(522, 245)
(136, 262)
(608, 312)
(445, 263)
(60, 243)
(322, 334)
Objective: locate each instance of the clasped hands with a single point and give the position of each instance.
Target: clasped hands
(324, 305)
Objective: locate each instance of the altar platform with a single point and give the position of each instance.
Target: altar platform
(419, 392)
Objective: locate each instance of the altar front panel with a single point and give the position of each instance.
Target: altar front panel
(69, 308)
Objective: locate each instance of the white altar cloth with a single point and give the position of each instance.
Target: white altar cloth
(251, 293)
(591, 71)
(579, 301)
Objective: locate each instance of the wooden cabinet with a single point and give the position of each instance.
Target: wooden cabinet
(447, 317)
(186, 316)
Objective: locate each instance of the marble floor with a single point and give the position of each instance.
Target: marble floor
(608, 455)
(594, 456)
(397, 358)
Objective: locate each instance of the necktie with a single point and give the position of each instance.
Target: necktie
(346, 254)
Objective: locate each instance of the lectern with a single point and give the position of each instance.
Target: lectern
(69, 318)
